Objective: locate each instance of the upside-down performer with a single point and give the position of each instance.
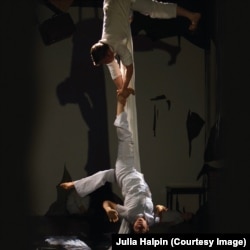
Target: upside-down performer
(116, 43)
(138, 208)
(116, 33)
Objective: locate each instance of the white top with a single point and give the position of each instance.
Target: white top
(116, 28)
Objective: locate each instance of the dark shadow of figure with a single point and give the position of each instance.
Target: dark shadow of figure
(144, 43)
(156, 29)
(85, 87)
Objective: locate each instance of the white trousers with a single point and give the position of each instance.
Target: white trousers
(155, 9)
(124, 163)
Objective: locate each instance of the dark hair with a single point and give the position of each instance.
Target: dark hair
(98, 51)
(131, 229)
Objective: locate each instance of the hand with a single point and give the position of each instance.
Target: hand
(113, 215)
(161, 208)
(125, 92)
(67, 185)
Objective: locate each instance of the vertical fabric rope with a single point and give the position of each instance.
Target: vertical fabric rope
(131, 110)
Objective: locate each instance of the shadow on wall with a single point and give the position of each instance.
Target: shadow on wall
(155, 29)
(85, 87)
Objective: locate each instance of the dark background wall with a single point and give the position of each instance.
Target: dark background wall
(75, 110)
(18, 98)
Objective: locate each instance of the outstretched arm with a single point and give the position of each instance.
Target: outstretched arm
(67, 185)
(121, 99)
(121, 82)
(126, 79)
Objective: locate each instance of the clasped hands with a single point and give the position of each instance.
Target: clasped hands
(125, 92)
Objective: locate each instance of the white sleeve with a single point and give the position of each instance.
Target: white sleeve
(124, 227)
(157, 219)
(122, 211)
(114, 69)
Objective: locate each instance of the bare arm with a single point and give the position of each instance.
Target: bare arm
(118, 82)
(121, 99)
(108, 205)
(126, 79)
(67, 185)
(121, 81)
(128, 75)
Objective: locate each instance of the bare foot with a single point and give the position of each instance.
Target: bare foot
(67, 185)
(194, 21)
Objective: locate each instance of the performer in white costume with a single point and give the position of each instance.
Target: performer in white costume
(116, 33)
(137, 209)
(116, 40)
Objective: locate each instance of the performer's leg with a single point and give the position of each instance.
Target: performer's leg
(89, 184)
(163, 10)
(194, 17)
(125, 154)
(155, 9)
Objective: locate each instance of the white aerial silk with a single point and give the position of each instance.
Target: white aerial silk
(131, 111)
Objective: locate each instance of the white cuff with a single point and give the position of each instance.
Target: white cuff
(114, 69)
